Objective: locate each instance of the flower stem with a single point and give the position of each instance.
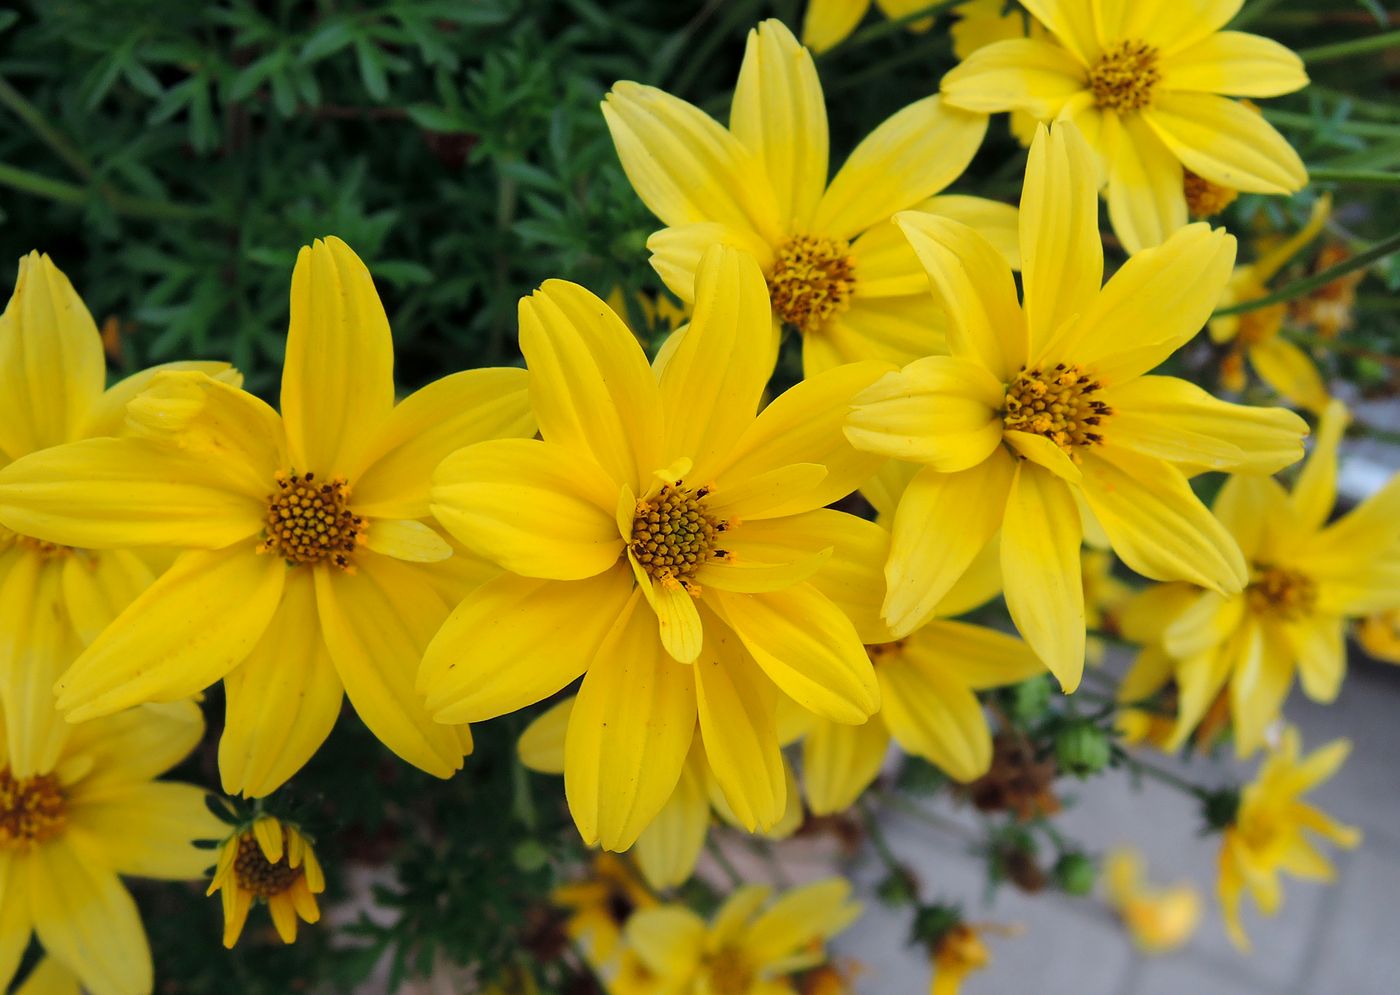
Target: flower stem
(46, 132)
(1165, 776)
(1342, 49)
(1355, 177)
(1308, 284)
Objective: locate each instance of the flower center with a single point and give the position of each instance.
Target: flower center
(730, 973)
(257, 875)
(1204, 198)
(32, 810)
(812, 281)
(308, 522)
(1280, 591)
(673, 535)
(1125, 75)
(1057, 404)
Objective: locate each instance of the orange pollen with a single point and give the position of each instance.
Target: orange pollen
(33, 810)
(1205, 199)
(812, 281)
(1125, 76)
(1282, 592)
(673, 535)
(257, 874)
(309, 522)
(1058, 405)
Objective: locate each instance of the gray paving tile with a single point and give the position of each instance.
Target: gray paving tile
(1357, 952)
(1177, 975)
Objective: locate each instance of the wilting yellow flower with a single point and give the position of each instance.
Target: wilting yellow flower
(1044, 403)
(838, 271)
(67, 830)
(742, 950)
(268, 862)
(599, 906)
(1267, 833)
(1306, 578)
(55, 599)
(1147, 82)
(309, 573)
(669, 545)
(956, 954)
(983, 22)
(1379, 635)
(1255, 334)
(1158, 919)
(827, 23)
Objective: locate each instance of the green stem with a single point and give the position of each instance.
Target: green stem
(1310, 283)
(1166, 777)
(1355, 177)
(1342, 49)
(1292, 119)
(23, 179)
(889, 26)
(877, 839)
(47, 133)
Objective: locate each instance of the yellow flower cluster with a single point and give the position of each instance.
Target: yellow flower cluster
(652, 528)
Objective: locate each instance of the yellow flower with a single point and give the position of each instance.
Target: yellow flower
(308, 572)
(1379, 635)
(1255, 334)
(828, 23)
(838, 271)
(956, 954)
(599, 906)
(269, 862)
(54, 599)
(67, 830)
(742, 950)
(1267, 833)
(1158, 919)
(983, 22)
(1044, 403)
(1306, 578)
(1143, 80)
(670, 546)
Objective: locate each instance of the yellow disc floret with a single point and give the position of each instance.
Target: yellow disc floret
(729, 973)
(1205, 199)
(33, 810)
(257, 874)
(673, 535)
(1057, 404)
(309, 521)
(1281, 592)
(812, 281)
(1125, 76)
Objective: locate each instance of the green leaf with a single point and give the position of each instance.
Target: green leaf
(432, 118)
(372, 70)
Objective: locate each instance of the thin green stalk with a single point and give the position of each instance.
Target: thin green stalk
(877, 839)
(1355, 177)
(1342, 49)
(1366, 129)
(1308, 284)
(1167, 777)
(46, 132)
(890, 26)
(717, 852)
(23, 179)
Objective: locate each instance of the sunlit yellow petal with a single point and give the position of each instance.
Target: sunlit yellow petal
(827, 23)
(1225, 142)
(1023, 74)
(932, 715)
(108, 414)
(1234, 64)
(668, 849)
(1146, 195)
(676, 252)
(1315, 491)
(840, 761)
(1289, 370)
(1072, 22)
(148, 829)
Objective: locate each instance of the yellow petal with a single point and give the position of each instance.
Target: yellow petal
(428, 426)
(1201, 677)
(51, 365)
(411, 541)
(676, 253)
(998, 223)
(108, 414)
(1226, 143)
(926, 556)
(16, 922)
(840, 761)
(973, 286)
(1074, 23)
(1045, 452)
(629, 733)
(801, 918)
(338, 376)
(1020, 74)
(536, 508)
(49, 977)
(910, 156)
(148, 829)
(35, 646)
(827, 23)
(679, 622)
(1146, 193)
(1157, 525)
(1255, 510)
(1170, 27)
(1234, 64)
(106, 493)
(1320, 646)
(668, 938)
(98, 587)
(668, 849)
(886, 265)
(779, 114)
(743, 571)
(136, 745)
(185, 631)
(940, 411)
(282, 701)
(1261, 676)
(895, 330)
(767, 495)
(376, 624)
(515, 641)
(1040, 569)
(590, 384)
(1291, 372)
(684, 165)
(541, 745)
(713, 382)
(974, 655)
(1315, 491)
(807, 646)
(932, 715)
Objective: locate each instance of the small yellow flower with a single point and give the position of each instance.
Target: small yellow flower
(71, 830)
(308, 571)
(1379, 635)
(1147, 82)
(1255, 334)
(1047, 402)
(599, 906)
(827, 23)
(1267, 833)
(956, 954)
(747, 948)
(1158, 919)
(839, 273)
(269, 862)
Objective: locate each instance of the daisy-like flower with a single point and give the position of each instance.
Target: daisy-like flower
(1267, 834)
(1148, 83)
(670, 545)
(1306, 579)
(71, 829)
(827, 23)
(308, 572)
(268, 862)
(1046, 402)
(1158, 919)
(54, 599)
(747, 948)
(839, 273)
(599, 906)
(1254, 335)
